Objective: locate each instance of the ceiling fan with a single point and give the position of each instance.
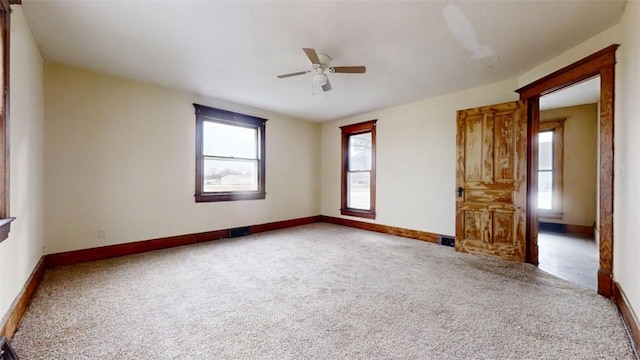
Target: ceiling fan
(320, 64)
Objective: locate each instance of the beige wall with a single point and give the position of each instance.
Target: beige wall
(20, 253)
(419, 139)
(416, 160)
(580, 163)
(626, 246)
(105, 135)
(120, 157)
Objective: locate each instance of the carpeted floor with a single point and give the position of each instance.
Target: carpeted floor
(319, 291)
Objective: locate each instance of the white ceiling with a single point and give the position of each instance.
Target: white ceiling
(234, 50)
(586, 92)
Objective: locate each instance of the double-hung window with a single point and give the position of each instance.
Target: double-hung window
(230, 155)
(550, 164)
(359, 170)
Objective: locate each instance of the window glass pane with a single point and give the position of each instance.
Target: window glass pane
(545, 190)
(358, 190)
(230, 175)
(545, 150)
(360, 152)
(229, 141)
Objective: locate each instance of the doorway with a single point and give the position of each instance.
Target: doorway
(602, 64)
(567, 183)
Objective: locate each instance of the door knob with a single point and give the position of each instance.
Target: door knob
(460, 190)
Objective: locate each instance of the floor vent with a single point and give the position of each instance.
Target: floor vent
(241, 231)
(6, 352)
(447, 241)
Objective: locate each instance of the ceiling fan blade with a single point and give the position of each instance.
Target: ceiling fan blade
(327, 86)
(292, 74)
(312, 55)
(350, 69)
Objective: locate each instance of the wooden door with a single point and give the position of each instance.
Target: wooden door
(491, 198)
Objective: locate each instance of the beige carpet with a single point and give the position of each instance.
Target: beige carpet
(315, 292)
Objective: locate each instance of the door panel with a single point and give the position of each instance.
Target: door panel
(491, 170)
(481, 195)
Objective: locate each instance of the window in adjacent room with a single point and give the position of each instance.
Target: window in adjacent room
(359, 170)
(230, 155)
(550, 163)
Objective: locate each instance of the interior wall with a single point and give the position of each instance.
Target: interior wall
(416, 151)
(105, 134)
(626, 246)
(20, 253)
(416, 159)
(120, 157)
(579, 163)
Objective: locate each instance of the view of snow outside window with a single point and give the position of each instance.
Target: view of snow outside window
(230, 157)
(359, 172)
(545, 170)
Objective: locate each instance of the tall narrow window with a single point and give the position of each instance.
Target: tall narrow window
(5, 220)
(550, 163)
(230, 151)
(359, 170)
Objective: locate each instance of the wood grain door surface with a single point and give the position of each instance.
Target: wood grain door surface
(491, 198)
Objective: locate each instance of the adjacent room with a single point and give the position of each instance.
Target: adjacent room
(568, 183)
(319, 179)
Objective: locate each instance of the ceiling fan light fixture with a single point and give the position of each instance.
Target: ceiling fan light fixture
(319, 79)
(320, 65)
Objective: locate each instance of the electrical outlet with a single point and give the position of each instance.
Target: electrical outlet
(102, 234)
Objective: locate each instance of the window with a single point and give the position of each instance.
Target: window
(550, 163)
(230, 156)
(5, 220)
(359, 170)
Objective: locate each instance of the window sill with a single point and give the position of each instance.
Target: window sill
(358, 213)
(230, 197)
(5, 226)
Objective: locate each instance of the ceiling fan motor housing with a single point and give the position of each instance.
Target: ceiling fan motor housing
(325, 60)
